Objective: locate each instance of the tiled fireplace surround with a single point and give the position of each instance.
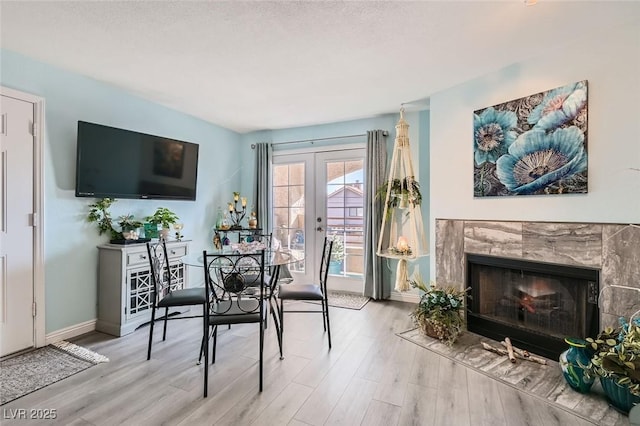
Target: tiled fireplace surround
(614, 249)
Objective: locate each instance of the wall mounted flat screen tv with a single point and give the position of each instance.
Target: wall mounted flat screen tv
(120, 163)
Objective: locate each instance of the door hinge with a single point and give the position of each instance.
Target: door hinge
(34, 129)
(34, 309)
(33, 217)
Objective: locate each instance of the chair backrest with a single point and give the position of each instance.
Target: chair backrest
(236, 279)
(258, 236)
(160, 269)
(324, 263)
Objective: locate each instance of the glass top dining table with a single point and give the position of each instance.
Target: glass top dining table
(272, 257)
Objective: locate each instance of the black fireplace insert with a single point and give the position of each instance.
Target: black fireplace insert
(535, 304)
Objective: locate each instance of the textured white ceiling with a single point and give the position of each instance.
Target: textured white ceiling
(269, 65)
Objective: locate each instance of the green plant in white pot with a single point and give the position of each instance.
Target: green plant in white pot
(163, 217)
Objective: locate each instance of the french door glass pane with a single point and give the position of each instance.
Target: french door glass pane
(288, 209)
(345, 215)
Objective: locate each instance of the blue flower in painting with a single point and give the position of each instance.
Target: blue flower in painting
(493, 134)
(537, 159)
(559, 106)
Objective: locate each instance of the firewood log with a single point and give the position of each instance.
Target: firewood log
(501, 351)
(509, 346)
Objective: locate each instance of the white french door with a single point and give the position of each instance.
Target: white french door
(316, 194)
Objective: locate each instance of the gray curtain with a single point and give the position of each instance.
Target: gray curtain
(263, 186)
(376, 167)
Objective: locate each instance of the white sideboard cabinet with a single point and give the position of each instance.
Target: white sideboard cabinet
(125, 286)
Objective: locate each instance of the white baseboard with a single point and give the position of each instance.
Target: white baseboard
(70, 332)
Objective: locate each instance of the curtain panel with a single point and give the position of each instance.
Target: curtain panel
(376, 168)
(263, 185)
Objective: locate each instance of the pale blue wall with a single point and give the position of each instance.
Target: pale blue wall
(611, 63)
(70, 242)
(226, 164)
(419, 137)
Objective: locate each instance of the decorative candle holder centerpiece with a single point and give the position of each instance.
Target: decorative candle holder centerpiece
(237, 215)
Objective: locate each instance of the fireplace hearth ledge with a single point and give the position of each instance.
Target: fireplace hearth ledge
(544, 382)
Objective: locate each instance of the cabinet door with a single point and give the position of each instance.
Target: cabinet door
(139, 292)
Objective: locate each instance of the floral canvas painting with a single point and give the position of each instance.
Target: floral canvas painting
(534, 145)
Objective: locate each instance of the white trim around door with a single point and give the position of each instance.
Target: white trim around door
(38, 213)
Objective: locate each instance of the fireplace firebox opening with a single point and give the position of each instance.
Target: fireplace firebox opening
(537, 305)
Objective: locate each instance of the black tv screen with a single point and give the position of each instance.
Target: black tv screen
(120, 163)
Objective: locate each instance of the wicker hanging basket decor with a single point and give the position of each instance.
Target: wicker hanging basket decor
(402, 234)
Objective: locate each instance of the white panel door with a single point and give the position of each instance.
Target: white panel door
(16, 236)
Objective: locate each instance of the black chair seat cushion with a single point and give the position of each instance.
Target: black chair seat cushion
(300, 292)
(184, 297)
(235, 312)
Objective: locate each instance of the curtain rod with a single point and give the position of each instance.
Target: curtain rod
(385, 133)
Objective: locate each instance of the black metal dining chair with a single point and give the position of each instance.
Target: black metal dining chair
(165, 294)
(308, 292)
(240, 295)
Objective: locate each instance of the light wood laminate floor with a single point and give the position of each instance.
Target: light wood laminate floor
(370, 377)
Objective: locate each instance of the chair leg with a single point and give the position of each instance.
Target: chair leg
(324, 315)
(201, 350)
(205, 343)
(262, 327)
(166, 318)
(326, 303)
(277, 327)
(281, 313)
(153, 320)
(215, 341)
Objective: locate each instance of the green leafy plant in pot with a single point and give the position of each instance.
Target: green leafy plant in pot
(129, 226)
(439, 312)
(99, 214)
(402, 192)
(163, 217)
(616, 362)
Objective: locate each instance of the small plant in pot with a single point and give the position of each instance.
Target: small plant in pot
(616, 362)
(129, 226)
(439, 312)
(163, 217)
(402, 193)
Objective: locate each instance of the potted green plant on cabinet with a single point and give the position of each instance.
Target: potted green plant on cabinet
(163, 217)
(129, 226)
(99, 214)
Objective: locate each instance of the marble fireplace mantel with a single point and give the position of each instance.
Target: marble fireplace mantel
(614, 249)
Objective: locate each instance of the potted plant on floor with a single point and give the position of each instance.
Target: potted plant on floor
(439, 312)
(164, 218)
(616, 362)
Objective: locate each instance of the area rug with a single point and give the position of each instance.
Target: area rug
(25, 373)
(339, 299)
(541, 381)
